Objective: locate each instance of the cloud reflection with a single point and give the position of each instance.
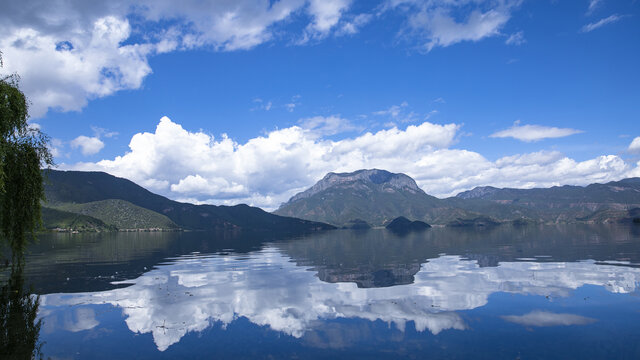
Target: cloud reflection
(545, 318)
(268, 289)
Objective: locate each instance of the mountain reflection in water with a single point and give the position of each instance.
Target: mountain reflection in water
(178, 295)
(268, 289)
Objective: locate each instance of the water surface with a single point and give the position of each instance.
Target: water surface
(507, 292)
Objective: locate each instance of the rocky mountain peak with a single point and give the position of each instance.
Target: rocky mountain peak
(383, 178)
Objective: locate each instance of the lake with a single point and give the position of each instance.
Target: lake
(507, 292)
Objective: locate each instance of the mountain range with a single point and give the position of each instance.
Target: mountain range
(378, 196)
(98, 201)
(374, 196)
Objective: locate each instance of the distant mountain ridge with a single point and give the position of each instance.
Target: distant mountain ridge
(63, 188)
(569, 203)
(623, 191)
(374, 196)
(378, 196)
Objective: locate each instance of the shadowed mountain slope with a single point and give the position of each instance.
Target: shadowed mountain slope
(84, 187)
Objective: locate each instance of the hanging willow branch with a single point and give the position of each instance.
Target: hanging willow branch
(23, 151)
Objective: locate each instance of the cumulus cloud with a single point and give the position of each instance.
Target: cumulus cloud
(87, 145)
(89, 63)
(267, 170)
(531, 133)
(437, 23)
(325, 15)
(634, 147)
(545, 318)
(600, 23)
(69, 52)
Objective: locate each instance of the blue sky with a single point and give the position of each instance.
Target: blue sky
(456, 94)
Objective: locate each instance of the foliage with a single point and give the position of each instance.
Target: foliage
(59, 219)
(120, 213)
(23, 150)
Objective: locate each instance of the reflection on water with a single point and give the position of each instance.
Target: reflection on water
(268, 289)
(433, 291)
(19, 329)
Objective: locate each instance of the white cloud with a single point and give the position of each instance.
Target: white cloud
(593, 5)
(634, 147)
(516, 39)
(329, 125)
(197, 185)
(350, 27)
(393, 111)
(530, 133)
(267, 170)
(602, 22)
(262, 105)
(401, 113)
(433, 23)
(98, 64)
(87, 145)
(68, 53)
(99, 132)
(325, 15)
(545, 318)
(55, 147)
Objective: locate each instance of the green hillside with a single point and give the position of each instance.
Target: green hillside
(121, 214)
(58, 219)
(84, 187)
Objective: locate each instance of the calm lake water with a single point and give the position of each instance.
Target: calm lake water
(503, 293)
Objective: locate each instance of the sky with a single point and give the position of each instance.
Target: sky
(252, 101)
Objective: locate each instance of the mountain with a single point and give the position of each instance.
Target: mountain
(593, 203)
(378, 196)
(78, 187)
(121, 214)
(373, 196)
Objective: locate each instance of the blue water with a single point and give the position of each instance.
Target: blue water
(534, 293)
